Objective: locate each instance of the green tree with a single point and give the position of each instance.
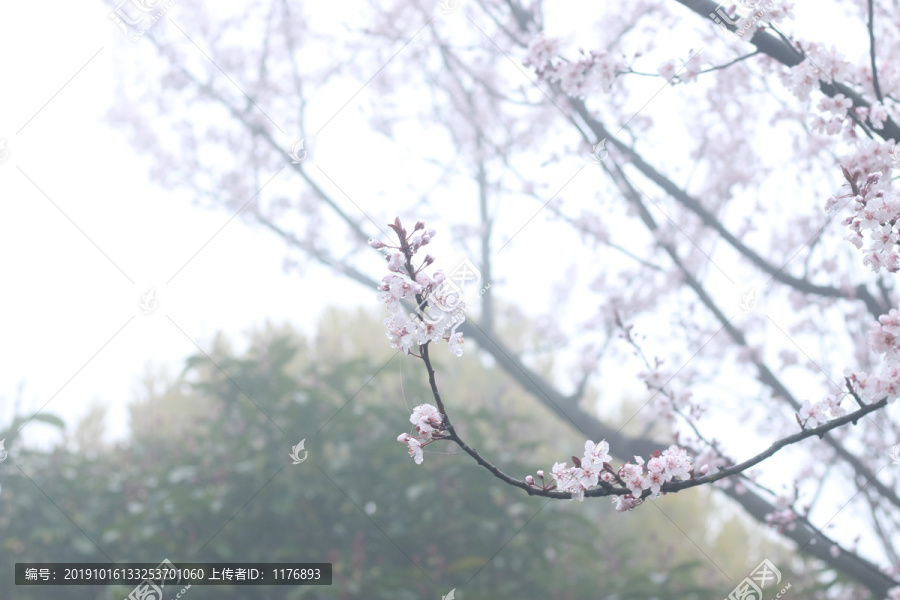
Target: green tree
(206, 476)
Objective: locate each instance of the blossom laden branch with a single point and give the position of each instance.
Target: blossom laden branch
(592, 475)
(438, 306)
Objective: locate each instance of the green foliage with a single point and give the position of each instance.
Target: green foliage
(206, 476)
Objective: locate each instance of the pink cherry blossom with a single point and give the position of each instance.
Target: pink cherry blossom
(415, 450)
(427, 419)
(437, 318)
(625, 502)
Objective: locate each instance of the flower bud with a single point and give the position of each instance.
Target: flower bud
(376, 244)
(704, 470)
(403, 438)
(419, 225)
(540, 474)
(529, 480)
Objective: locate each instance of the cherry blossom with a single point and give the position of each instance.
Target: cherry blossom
(596, 454)
(543, 52)
(591, 71)
(884, 336)
(440, 312)
(587, 472)
(821, 64)
(814, 414)
(783, 517)
(415, 450)
(427, 419)
(677, 462)
(633, 474)
(625, 502)
(428, 422)
(875, 207)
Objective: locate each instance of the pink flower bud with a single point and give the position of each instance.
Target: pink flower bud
(403, 438)
(529, 480)
(540, 474)
(376, 244)
(704, 470)
(419, 225)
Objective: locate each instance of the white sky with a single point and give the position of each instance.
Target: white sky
(81, 218)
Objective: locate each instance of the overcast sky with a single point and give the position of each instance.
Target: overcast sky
(85, 234)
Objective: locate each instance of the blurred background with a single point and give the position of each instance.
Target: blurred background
(197, 478)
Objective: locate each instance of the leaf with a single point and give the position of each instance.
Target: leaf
(19, 422)
(50, 420)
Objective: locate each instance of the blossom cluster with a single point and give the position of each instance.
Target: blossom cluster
(439, 306)
(692, 67)
(837, 107)
(884, 338)
(875, 213)
(674, 462)
(594, 467)
(586, 473)
(783, 518)
(843, 113)
(821, 64)
(593, 71)
(429, 422)
(812, 415)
